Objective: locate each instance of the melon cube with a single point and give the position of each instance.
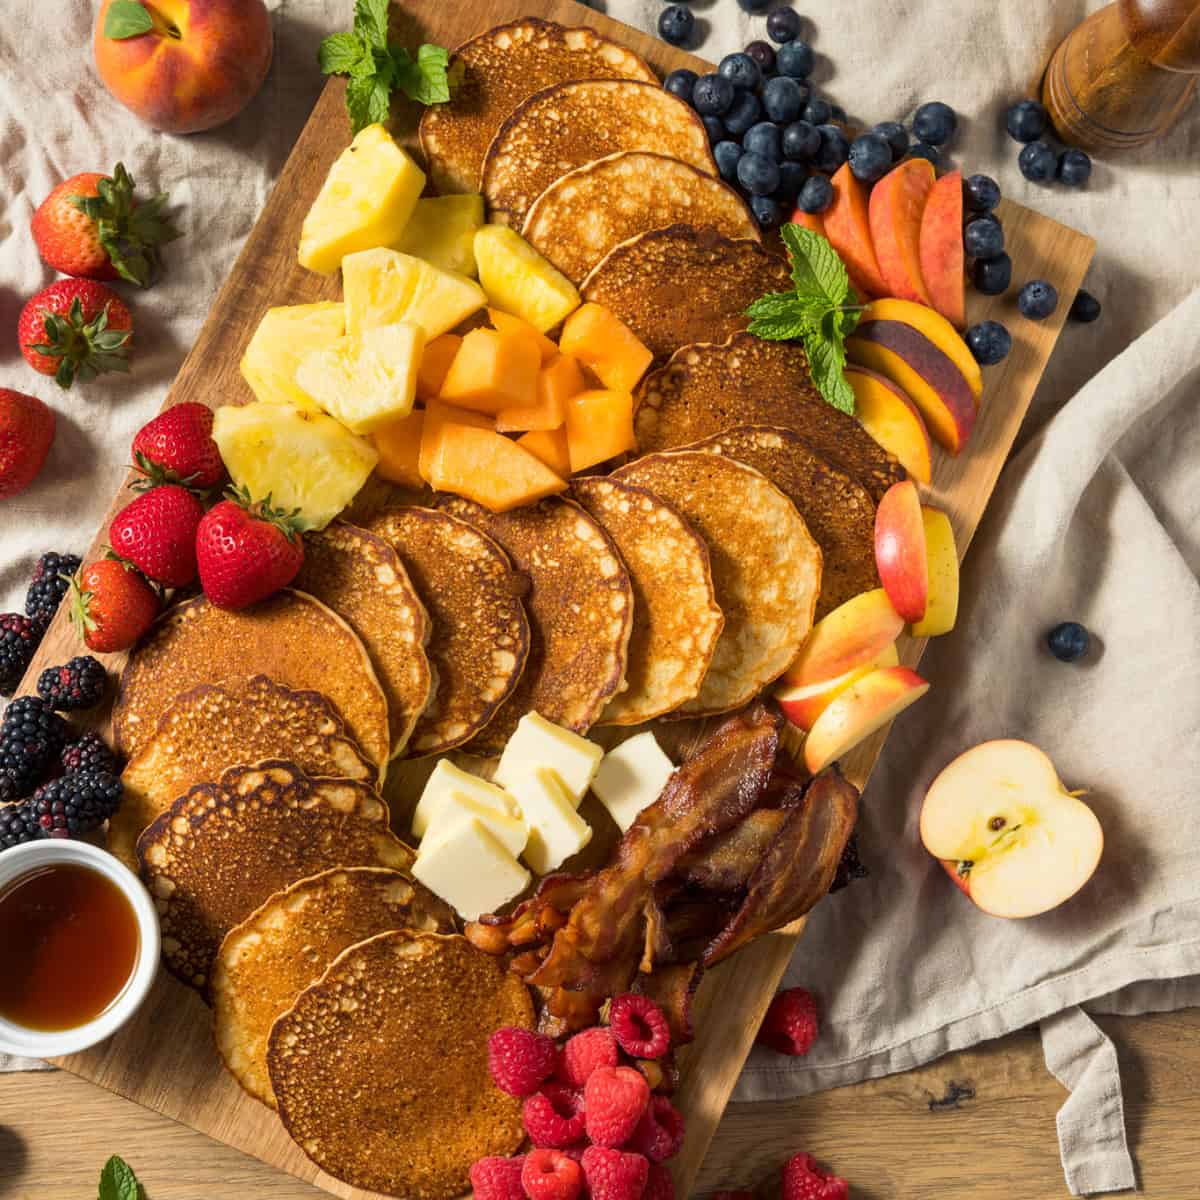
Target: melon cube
(435, 362)
(492, 371)
(606, 346)
(507, 323)
(437, 417)
(599, 427)
(283, 337)
(442, 229)
(556, 384)
(489, 468)
(518, 280)
(550, 447)
(399, 448)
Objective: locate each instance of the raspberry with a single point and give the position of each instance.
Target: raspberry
(614, 1174)
(497, 1178)
(551, 1175)
(790, 1026)
(554, 1117)
(19, 639)
(519, 1060)
(660, 1185)
(659, 1134)
(89, 753)
(48, 587)
(639, 1026)
(584, 1053)
(804, 1180)
(78, 684)
(614, 1100)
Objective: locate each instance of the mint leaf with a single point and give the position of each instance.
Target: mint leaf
(371, 22)
(343, 54)
(783, 328)
(126, 19)
(118, 1182)
(817, 271)
(432, 85)
(367, 100)
(773, 304)
(826, 358)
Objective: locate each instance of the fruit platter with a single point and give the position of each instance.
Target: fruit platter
(574, 516)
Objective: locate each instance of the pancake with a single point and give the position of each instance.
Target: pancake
(380, 1068)
(580, 606)
(579, 218)
(681, 285)
(480, 634)
(218, 852)
(676, 621)
(209, 729)
(497, 71)
(708, 388)
(839, 512)
(766, 568)
(287, 943)
(570, 124)
(359, 576)
(290, 637)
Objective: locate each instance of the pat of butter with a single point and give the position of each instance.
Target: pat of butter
(537, 743)
(448, 779)
(556, 830)
(632, 777)
(454, 809)
(470, 870)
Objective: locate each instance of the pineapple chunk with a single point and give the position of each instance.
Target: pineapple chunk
(520, 281)
(442, 231)
(283, 337)
(366, 200)
(368, 381)
(384, 286)
(302, 460)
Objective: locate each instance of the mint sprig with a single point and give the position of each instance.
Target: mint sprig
(118, 1182)
(821, 311)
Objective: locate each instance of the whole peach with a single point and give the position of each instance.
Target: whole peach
(198, 67)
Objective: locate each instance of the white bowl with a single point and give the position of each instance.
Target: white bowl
(21, 860)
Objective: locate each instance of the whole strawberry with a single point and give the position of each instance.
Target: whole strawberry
(112, 605)
(156, 532)
(246, 551)
(93, 226)
(26, 432)
(178, 447)
(75, 329)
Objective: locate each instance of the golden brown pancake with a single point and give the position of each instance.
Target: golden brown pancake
(676, 620)
(480, 634)
(287, 943)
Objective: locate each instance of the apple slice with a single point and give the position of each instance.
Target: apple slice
(941, 610)
(865, 706)
(1008, 832)
(853, 634)
(900, 555)
(941, 248)
(892, 419)
(803, 705)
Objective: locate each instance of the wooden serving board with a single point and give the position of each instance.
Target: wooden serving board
(165, 1059)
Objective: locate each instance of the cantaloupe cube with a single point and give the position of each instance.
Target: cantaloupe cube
(550, 446)
(437, 416)
(490, 469)
(435, 362)
(399, 449)
(507, 323)
(492, 371)
(599, 427)
(556, 384)
(520, 281)
(606, 346)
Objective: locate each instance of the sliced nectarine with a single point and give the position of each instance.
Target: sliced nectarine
(892, 419)
(557, 383)
(900, 555)
(399, 448)
(936, 328)
(606, 346)
(507, 323)
(492, 371)
(941, 249)
(437, 416)
(848, 228)
(435, 362)
(550, 446)
(897, 203)
(599, 427)
(489, 468)
(813, 221)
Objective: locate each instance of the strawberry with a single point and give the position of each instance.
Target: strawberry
(157, 533)
(112, 605)
(26, 431)
(178, 447)
(246, 551)
(91, 225)
(75, 329)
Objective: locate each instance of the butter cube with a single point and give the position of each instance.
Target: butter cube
(284, 336)
(632, 777)
(471, 870)
(537, 743)
(456, 808)
(556, 830)
(446, 780)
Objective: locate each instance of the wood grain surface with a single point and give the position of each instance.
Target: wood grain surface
(164, 1058)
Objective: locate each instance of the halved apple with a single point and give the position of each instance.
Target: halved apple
(803, 705)
(900, 554)
(1008, 832)
(892, 419)
(941, 610)
(853, 634)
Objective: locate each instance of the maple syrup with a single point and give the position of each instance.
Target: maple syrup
(68, 945)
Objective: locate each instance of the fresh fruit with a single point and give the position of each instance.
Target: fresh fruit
(554, 1116)
(365, 202)
(989, 342)
(757, 173)
(556, 384)
(803, 705)
(88, 752)
(304, 461)
(892, 419)
(399, 448)
(76, 685)
(1085, 308)
(896, 137)
(800, 141)
(492, 371)
(488, 468)
(816, 195)
(992, 276)
(727, 155)
(583, 1053)
(896, 206)
(900, 553)
(246, 551)
(599, 427)
(497, 1178)
(983, 237)
(926, 152)
(659, 1134)
(614, 1100)
(26, 434)
(870, 157)
(1068, 641)
(715, 128)
(848, 228)
(783, 25)
(680, 83)
(606, 346)
(813, 221)
(1026, 121)
(795, 59)
(1007, 831)
(763, 138)
(783, 99)
(75, 329)
(804, 1180)
(713, 95)
(19, 640)
(30, 738)
(941, 609)
(982, 193)
(50, 583)
(518, 280)
(177, 447)
(283, 337)
(1037, 300)
(934, 123)
(185, 66)
(639, 1026)
(934, 326)
(442, 231)
(1038, 162)
(112, 605)
(519, 1060)
(614, 1174)
(746, 111)
(72, 805)
(763, 54)
(675, 24)
(833, 150)
(940, 248)
(508, 324)
(817, 111)
(550, 1174)
(549, 446)
(435, 362)
(156, 531)
(853, 634)
(790, 1026)
(437, 416)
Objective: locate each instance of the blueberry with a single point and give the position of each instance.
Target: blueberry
(783, 25)
(1037, 299)
(1037, 162)
(741, 70)
(935, 123)
(817, 111)
(1085, 308)
(925, 151)
(896, 137)
(1026, 121)
(992, 275)
(767, 212)
(983, 238)
(754, 6)
(870, 157)
(989, 342)
(800, 141)
(783, 99)
(716, 130)
(816, 195)
(1074, 168)
(675, 24)
(795, 59)
(1069, 641)
(680, 83)
(745, 112)
(727, 155)
(833, 151)
(763, 54)
(838, 113)
(763, 139)
(757, 174)
(982, 193)
(712, 95)
(791, 179)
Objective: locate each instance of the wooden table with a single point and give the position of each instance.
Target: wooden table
(980, 1123)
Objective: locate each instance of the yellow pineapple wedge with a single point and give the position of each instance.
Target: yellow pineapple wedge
(366, 200)
(518, 280)
(283, 337)
(368, 381)
(302, 460)
(442, 231)
(382, 287)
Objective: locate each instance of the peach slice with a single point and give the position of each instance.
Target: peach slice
(936, 328)
(900, 555)
(865, 706)
(941, 249)
(854, 633)
(803, 705)
(892, 419)
(941, 611)
(895, 209)
(848, 228)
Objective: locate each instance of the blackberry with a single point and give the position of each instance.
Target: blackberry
(19, 639)
(47, 587)
(16, 824)
(74, 804)
(88, 753)
(30, 738)
(78, 684)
